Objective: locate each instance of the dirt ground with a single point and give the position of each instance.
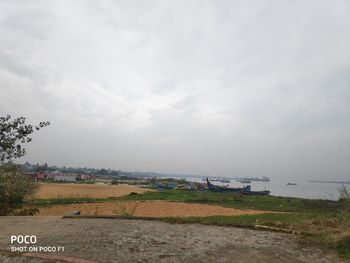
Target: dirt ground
(116, 240)
(51, 190)
(145, 209)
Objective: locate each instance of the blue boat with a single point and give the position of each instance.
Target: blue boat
(161, 186)
(216, 188)
(241, 190)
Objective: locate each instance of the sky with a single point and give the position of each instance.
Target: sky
(212, 88)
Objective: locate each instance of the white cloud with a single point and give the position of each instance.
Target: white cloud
(204, 80)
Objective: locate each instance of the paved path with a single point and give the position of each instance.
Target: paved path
(115, 240)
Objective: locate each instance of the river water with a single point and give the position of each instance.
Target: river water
(303, 189)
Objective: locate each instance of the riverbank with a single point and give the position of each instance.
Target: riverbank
(325, 223)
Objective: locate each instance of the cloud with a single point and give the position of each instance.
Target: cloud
(181, 87)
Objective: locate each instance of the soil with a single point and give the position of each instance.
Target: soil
(71, 190)
(145, 209)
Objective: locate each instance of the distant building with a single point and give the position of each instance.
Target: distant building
(59, 176)
(35, 176)
(65, 177)
(30, 175)
(86, 177)
(40, 176)
(52, 175)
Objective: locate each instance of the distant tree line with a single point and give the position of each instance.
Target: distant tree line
(73, 170)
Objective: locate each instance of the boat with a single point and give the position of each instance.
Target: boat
(213, 179)
(245, 181)
(215, 188)
(264, 192)
(257, 179)
(225, 181)
(242, 190)
(292, 184)
(161, 185)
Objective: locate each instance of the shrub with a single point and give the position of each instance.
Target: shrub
(26, 212)
(124, 212)
(343, 247)
(115, 181)
(14, 187)
(344, 198)
(343, 192)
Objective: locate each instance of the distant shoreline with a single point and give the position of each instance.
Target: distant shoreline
(330, 182)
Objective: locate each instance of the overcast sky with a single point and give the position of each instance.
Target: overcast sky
(226, 88)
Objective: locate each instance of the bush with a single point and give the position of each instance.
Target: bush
(14, 187)
(26, 212)
(343, 247)
(115, 181)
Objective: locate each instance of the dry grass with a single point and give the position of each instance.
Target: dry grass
(146, 209)
(50, 190)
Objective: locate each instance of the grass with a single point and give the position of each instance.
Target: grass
(269, 203)
(322, 222)
(269, 219)
(343, 247)
(66, 201)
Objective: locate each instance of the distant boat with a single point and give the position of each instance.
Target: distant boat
(245, 181)
(214, 180)
(241, 190)
(292, 184)
(258, 179)
(225, 181)
(330, 182)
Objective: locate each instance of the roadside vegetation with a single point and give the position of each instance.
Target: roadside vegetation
(14, 187)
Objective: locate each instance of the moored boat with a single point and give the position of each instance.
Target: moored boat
(216, 188)
(245, 181)
(241, 190)
(225, 181)
(165, 185)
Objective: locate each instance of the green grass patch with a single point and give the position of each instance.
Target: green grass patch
(343, 247)
(278, 220)
(270, 203)
(66, 201)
